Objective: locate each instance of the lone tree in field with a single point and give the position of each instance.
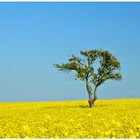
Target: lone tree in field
(84, 69)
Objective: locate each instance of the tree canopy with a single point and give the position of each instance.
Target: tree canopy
(84, 69)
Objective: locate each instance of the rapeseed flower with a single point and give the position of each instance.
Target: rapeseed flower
(71, 119)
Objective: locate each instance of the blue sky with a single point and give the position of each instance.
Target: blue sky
(34, 36)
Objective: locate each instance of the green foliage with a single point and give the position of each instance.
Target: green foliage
(84, 68)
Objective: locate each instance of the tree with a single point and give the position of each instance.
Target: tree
(84, 69)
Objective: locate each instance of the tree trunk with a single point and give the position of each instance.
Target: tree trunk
(95, 96)
(91, 102)
(89, 90)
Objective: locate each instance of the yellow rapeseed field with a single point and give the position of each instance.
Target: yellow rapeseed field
(71, 119)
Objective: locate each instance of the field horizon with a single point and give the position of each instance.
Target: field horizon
(39, 101)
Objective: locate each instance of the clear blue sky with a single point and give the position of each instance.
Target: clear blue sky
(34, 36)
